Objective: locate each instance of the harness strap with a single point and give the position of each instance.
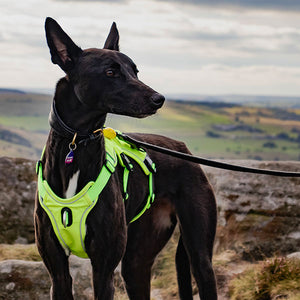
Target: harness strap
(105, 173)
(128, 167)
(68, 216)
(150, 198)
(125, 184)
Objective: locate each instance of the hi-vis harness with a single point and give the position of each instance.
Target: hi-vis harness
(68, 216)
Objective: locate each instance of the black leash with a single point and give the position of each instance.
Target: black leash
(60, 127)
(206, 162)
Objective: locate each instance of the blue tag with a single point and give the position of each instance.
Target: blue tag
(69, 158)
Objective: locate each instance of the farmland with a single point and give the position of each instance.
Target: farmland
(210, 129)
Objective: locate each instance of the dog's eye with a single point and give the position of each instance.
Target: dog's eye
(110, 73)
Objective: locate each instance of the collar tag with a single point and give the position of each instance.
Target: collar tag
(72, 146)
(69, 158)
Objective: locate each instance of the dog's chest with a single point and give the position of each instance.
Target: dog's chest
(72, 186)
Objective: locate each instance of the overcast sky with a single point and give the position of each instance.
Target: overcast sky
(180, 46)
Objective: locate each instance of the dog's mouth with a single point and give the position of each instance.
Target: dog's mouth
(140, 113)
(141, 116)
(147, 113)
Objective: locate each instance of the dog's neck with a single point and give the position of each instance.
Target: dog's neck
(88, 156)
(72, 112)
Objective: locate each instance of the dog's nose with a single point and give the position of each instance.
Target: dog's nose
(157, 99)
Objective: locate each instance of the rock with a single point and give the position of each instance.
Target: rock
(156, 294)
(294, 255)
(23, 280)
(17, 190)
(30, 280)
(259, 215)
(81, 272)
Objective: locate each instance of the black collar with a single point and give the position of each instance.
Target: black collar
(61, 128)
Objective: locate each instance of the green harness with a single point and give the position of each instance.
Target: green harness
(68, 216)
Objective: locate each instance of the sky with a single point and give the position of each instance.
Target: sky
(209, 47)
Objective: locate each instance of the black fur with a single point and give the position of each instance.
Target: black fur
(97, 82)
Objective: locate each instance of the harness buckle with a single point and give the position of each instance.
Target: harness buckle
(126, 162)
(150, 164)
(109, 166)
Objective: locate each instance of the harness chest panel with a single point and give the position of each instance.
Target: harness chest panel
(68, 215)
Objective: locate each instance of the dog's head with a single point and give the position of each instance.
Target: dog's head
(103, 79)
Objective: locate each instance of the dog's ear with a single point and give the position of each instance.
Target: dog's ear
(112, 41)
(63, 50)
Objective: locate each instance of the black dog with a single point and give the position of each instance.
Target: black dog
(97, 82)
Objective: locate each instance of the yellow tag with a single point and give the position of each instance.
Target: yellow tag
(109, 133)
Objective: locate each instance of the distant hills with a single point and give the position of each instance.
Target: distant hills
(13, 91)
(213, 127)
(256, 100)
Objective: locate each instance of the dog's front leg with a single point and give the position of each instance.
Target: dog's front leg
(53, 256)
(103, 282)
(104, 260)
(106, 240)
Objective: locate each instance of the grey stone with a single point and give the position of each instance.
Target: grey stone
(17, 190)
(259, 215)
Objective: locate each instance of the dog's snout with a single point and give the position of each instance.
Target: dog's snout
(158, 99)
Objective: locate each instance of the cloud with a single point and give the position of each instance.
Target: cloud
(223, 79)
(184, 48)
(91, 0)
(288, 5)
(242, 37)
(233, 4)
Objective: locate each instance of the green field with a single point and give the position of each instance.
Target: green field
(196, 125)
(212, 130)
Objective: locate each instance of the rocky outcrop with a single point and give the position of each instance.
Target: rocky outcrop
(17, 189)
(259, 215)
(30, 280)
(23, 280)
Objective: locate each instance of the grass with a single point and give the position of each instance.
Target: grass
(36, 140)
(276, 278)
(29, 123)
(18, 251)
(164, 271)
(197, 120)
(12, 150)
(24, 104)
